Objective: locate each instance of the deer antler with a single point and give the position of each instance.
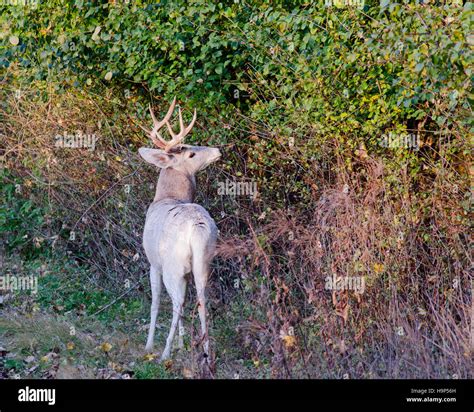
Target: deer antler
(175, 138)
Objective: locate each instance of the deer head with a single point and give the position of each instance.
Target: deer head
(173, 154)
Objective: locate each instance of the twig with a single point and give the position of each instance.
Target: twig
(102, 196)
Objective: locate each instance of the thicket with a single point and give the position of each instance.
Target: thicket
(301, 98)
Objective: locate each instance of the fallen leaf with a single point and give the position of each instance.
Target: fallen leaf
(378, 268)
(115, 366)
(149, 357)
(289, 341)
(106, 347)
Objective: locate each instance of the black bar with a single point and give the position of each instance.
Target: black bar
(135, 393)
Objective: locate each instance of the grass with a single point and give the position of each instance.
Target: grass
(149, 370)
(57, 320)
(54, 332)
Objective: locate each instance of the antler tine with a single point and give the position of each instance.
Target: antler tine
(177, 138)
(173, 135)
(181, 124)
(157, 125)
(155, 122)
(188, 129)
(158, 140)
(144, 128)
(154, 134)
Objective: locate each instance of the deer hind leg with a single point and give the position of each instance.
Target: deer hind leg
(176, 286)
(155, 281)
(201, 273)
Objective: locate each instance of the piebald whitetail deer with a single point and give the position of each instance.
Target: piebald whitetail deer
(179, 235)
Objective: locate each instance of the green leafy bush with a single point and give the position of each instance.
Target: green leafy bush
(19, 217)
(296, 76)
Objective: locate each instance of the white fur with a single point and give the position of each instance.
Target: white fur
(179, 237)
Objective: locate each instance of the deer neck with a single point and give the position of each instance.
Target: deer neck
(176, 185)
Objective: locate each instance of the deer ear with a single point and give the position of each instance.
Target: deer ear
(157, 157)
